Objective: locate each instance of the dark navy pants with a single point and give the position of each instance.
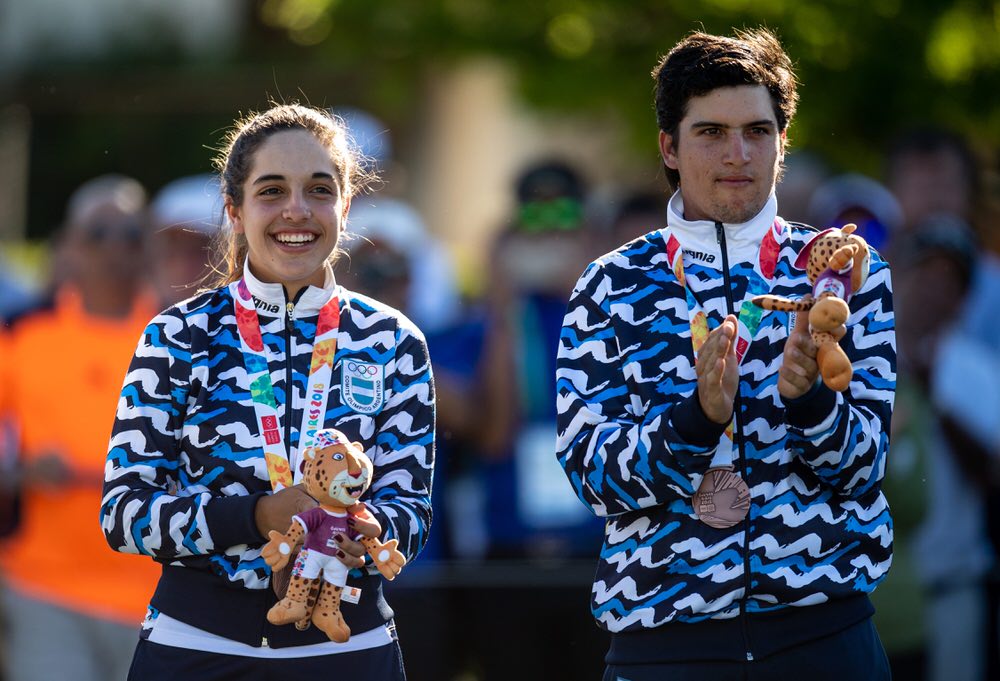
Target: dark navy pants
(155, 662)
(855, 653)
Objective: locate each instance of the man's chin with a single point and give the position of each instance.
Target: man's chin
(735, 214)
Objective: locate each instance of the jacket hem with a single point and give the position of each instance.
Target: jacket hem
(723, 640)
(211, 603)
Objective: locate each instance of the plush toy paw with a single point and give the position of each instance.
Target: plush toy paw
(277, 550)
(287, 611)
(327, 616)
(388, 559)
(333, 625)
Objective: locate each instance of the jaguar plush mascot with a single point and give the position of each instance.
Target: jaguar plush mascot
(836, 262)
(336, 472)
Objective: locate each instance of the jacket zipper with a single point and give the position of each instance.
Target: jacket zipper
(289, 392)
(720, 235)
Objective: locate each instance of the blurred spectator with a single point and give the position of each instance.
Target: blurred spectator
(945, 441)
(637, 214)
(855, 198)
(536, 263)
(932, 171)
(532, 515)
(15, 297)
(387, 258)
(185, 216)
(73, 606)
(431, 298)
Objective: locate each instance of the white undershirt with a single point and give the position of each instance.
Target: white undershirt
(167, 631)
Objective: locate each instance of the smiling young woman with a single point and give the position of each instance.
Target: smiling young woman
(226, 392)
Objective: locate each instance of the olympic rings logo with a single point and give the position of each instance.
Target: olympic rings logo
(362, 369)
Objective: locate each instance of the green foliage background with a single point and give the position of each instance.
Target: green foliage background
(868, 67)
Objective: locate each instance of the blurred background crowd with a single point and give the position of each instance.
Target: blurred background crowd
(515, 142)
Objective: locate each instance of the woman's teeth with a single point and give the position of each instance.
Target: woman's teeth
(295, 239)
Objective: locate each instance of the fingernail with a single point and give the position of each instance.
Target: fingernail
(340, 554)
(337, 538)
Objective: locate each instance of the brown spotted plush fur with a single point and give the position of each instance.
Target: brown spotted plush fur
(841, 251)
(325, 469)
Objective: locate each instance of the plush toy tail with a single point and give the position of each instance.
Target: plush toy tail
(779, 304)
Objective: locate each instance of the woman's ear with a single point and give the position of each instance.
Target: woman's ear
(234, 214)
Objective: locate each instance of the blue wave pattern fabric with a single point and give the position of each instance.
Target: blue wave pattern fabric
(185, 461)
(818, 526)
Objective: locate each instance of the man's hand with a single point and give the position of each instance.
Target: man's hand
(275, 511)
(718, 372)
(799, 369)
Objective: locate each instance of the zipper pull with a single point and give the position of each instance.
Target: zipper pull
(720, 233)
(289, 308)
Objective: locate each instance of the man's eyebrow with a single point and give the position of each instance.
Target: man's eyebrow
(751, 124)
(279, 178)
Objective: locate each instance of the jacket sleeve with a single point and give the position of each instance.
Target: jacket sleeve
(844, 437)
(619, 453)
(140, 510)
(400, 496)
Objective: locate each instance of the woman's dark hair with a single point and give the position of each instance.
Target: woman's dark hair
(701, 63)
(236, 158)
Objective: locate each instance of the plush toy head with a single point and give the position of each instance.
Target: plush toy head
(837, 249)
(336, 471)
(836, 262)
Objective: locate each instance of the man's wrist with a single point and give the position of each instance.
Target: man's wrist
(810, 408)
(693, 425)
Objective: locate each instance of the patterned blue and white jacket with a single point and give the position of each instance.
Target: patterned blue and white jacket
(635, 444)
(185, 464)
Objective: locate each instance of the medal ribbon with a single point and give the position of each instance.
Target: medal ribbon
(279, 465)
(749, 314)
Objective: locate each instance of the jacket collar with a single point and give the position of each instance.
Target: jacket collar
(270, 298)
(699, 236)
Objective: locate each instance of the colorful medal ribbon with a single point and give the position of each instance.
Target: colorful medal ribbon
(279, 465)
(749, 314)
(723, 498)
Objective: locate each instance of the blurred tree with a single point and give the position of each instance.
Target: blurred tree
(868, 67)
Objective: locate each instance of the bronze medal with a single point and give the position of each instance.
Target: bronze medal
(723, 499)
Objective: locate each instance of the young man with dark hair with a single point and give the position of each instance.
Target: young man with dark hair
(678, 396)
